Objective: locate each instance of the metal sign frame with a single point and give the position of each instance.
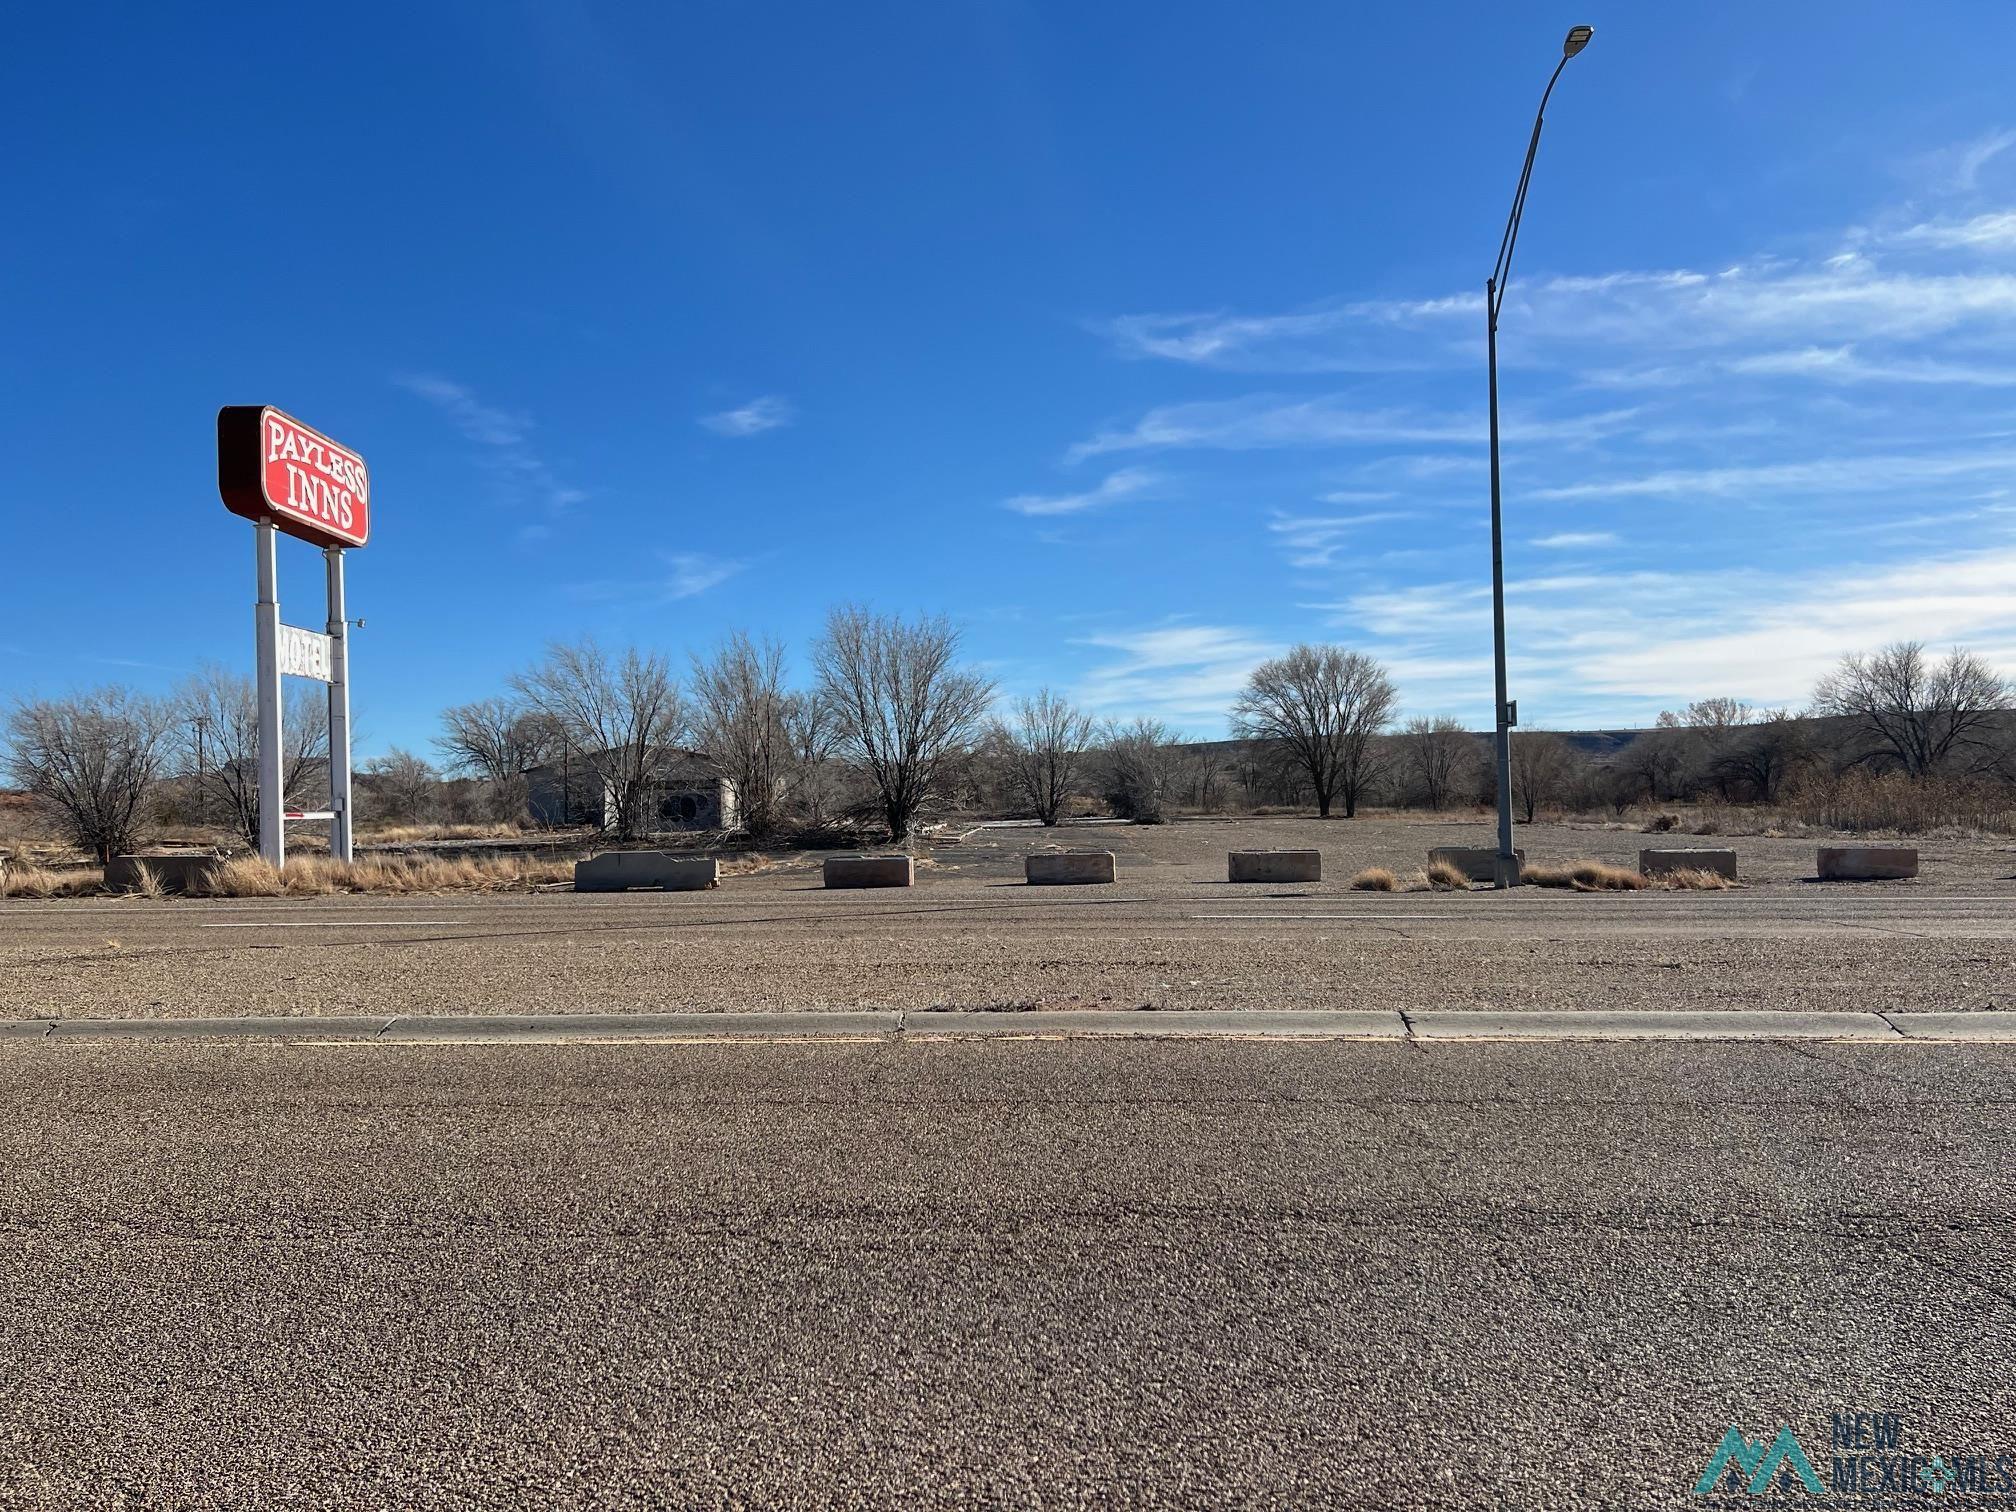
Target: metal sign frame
(247, 442)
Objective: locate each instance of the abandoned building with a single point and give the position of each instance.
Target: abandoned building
(688, 795)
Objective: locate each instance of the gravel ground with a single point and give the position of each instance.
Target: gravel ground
(1171, 935)
(1017, 1274)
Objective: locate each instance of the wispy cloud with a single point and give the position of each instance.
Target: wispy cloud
(690, 573)
(1843, 364)
(1992, 232)
(1840, 415)
(1956, 169)
(1127, 483)
(1610, 648)
(1184, 673)
(1316, 540)
(505, 443)
(1358, 336)
(1835, 474)
(767, 413)
(1575, 540)
(1269, 421)
(1670, 310)
(478, 421)
(684, 575)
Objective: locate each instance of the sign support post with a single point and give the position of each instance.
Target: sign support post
(340, 836)
(282, 476)
(272, 801)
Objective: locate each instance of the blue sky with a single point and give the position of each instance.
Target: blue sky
(1144, 340)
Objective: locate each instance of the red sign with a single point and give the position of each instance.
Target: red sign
(272, 467)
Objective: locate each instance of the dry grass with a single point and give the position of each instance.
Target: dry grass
(409, 834)
(1445, 877)
(311, 876)
(1375, 879)
(27, 879)
(1693, 879)
(1584, 876)
(1860, 802)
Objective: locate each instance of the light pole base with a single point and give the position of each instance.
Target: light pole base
(1505, 871)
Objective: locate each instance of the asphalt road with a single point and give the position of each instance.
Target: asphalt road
(970, 941)
(1209, 1274)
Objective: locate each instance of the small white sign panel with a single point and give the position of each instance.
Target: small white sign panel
(304, 653)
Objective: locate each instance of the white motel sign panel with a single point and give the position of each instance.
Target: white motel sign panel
(305, 653)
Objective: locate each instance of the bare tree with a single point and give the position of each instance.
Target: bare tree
(214, 737)
(1651, 767)
(1137, 767)
(1438, 754)
(1544, 768)
(812, 735)
(1202, 772)
(742, 722)
(1699, 739)
(402, 785)
(622, 716)
(1919, 713)
(1769, 750)
(1045, 751)
(91, 760)
(1321, 706)
(497, 740)
(902, 704)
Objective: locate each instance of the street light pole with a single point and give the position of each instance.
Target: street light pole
(1505, 870)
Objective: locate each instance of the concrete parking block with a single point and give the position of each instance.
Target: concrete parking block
(24, 1029)
(1734, 1023)
(172, 871)
(1867, 863)
(1061, 868)
(869, 871)
(619, 871)
(1658, 863)
(1274, 866)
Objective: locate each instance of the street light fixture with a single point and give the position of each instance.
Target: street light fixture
(1505, 873)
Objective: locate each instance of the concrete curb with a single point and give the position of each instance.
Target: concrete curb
(1207, 1022)
(1425, 1027)
(1733, 1023)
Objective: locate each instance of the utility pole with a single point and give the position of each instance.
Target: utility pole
(1505, 872)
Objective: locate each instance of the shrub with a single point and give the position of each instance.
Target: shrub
(1859, 801)
(1375, 879)
(1585, 876)
(1444, 875)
